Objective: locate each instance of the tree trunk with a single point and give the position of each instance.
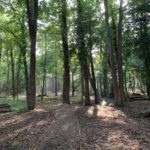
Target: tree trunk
(64, 34)
(120, 69)
(56, 84)
(92, 79)
(13, 73)
(111, 53)
(25, 71)
(100, 85)
(125, 81)
(8, 75)
(86, 86)
(73, 88)
(44, 70)
(105, 82)
(32, 13)
(18, 73)
(82, 87)
(0, 50)
(83, 54)
(23, 48)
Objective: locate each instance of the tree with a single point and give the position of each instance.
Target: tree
(12, 71)
(120, 69)
(111, 52)
(32, 13)
(116, 69)
(64, 33)
(139, 23)
(44, 68)
(83, 54)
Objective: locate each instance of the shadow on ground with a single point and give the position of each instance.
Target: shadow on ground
(53, 126)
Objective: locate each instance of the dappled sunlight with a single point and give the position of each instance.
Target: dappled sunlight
(42, 122)
(119, 140)
(39, 110)
(104, 112)
(110, 128)
(103, 103)
(109, 112)
(26, 131)
(24, 126)
(15, 119)
(90, 111)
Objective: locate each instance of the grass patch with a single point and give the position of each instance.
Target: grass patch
(16, 105)
(15, 145)
(75, 99)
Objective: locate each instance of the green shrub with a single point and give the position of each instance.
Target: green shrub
(16, 105)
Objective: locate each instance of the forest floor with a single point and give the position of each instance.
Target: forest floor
(53, 126)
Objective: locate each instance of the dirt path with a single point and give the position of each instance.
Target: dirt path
(64, 133)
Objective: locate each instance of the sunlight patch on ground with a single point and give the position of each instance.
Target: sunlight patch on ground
(119, 140)
(105, 113)
(15, 119)
(39, 110)
(103, 103)
(90, 112)
(42, 122)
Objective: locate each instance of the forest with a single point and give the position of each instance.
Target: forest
(74, 74)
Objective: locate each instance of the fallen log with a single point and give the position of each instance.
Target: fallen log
(5, 108)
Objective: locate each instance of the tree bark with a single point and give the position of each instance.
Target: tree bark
(92, 79)
(121, 92)
(18, 73)
(111, 53)
(44, 69)
(32, 13)
(8, 75)
(83, 54)
(56, 84)
(73, 88)
(105, 82)
(1, 47)
(13, 72)
(64, 33)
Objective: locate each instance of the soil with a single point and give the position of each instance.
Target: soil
(54, 126)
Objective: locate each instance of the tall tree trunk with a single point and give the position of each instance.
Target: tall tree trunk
(92, 79)
(105, 82)
(0, 49)
(64, 33)
(83, 54)
(73, 88)
(25, 71)
(18, 73)
(111, 53)
(56, 84)
(120, 69)
(82, 87)
(13, 72)
(44, 69)
(93, 84)
(8, 74)
(32, 12)
(23, 48)
(125, 81)
(100, 85)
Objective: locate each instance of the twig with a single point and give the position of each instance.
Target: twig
(78, 126)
